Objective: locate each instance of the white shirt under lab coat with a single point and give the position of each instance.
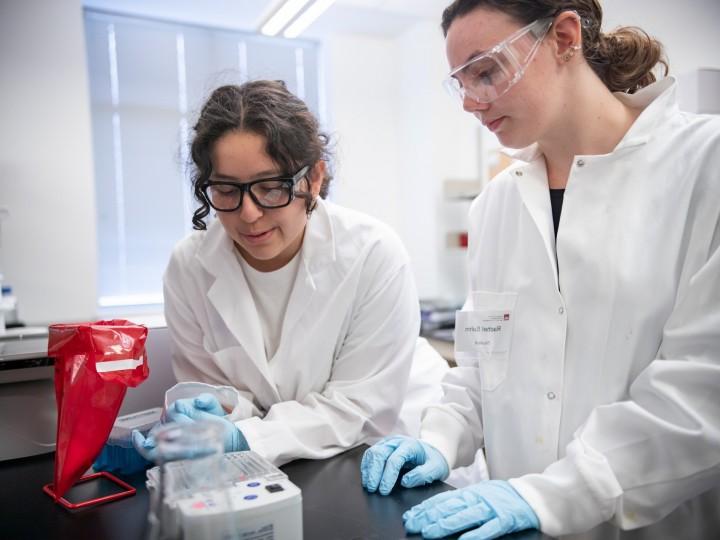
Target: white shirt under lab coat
(606, 404)
(340, 374)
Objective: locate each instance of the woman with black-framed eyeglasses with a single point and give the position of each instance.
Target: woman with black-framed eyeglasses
(294, 321)
(225, 195)
(588, 379)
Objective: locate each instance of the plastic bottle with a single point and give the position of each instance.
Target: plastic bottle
(8, 305)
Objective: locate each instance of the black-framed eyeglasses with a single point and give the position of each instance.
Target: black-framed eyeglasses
(275, 192)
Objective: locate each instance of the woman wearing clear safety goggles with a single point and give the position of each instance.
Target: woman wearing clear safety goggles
(588, 350)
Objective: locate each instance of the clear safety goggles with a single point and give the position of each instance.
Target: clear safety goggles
(488, 76)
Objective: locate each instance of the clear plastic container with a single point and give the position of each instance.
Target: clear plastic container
(202, 472)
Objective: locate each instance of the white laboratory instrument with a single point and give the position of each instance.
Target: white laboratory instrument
(699, 91)
(28, 414)
(257, 502)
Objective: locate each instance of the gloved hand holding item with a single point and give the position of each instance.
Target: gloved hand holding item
(204, 402)
(118, 454)
(235, 405)
(117, 459)
(382, 462)
(494, 506)
(182, 413)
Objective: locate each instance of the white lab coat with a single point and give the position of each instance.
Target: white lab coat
(350, 332)
(607, 402)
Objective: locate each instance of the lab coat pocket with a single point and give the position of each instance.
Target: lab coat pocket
(483, 335)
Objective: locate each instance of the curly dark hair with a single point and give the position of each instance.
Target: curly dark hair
(624, 59)
(265, 108)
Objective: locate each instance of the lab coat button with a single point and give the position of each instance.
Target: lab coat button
(580, 162)
(551, 395)
(561, 310)
(518, 173)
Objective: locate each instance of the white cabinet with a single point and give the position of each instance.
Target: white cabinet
(699, 91)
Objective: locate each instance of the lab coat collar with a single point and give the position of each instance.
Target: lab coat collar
(319, 248)
(527, 154)
(658, 101)
(230, 294)
(533, 186)
(318, 253)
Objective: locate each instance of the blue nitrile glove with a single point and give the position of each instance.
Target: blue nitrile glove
(120, 459)
(493, 505)
(203, 402)
(233, 439)
(382, 462)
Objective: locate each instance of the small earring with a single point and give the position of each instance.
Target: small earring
(569, 54)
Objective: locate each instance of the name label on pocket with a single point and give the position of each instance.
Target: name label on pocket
(483, 332)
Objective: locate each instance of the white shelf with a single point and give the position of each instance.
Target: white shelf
(461, 190)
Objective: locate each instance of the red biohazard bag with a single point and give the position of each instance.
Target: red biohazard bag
(94, 365)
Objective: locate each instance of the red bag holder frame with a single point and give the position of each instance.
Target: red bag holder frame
(62, 501)
(95, 363)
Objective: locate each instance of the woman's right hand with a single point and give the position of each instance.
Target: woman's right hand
(382, 462)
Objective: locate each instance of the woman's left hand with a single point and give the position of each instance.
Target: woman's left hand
(493, 505)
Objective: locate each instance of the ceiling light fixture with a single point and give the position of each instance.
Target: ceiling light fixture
(307, 18)
(282, 16)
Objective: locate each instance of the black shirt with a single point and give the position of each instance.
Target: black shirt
(556, 201)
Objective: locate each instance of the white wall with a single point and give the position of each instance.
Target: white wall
(361, 102)
(441, 142)
(687, 29)
(46, 177)
(399, 136)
